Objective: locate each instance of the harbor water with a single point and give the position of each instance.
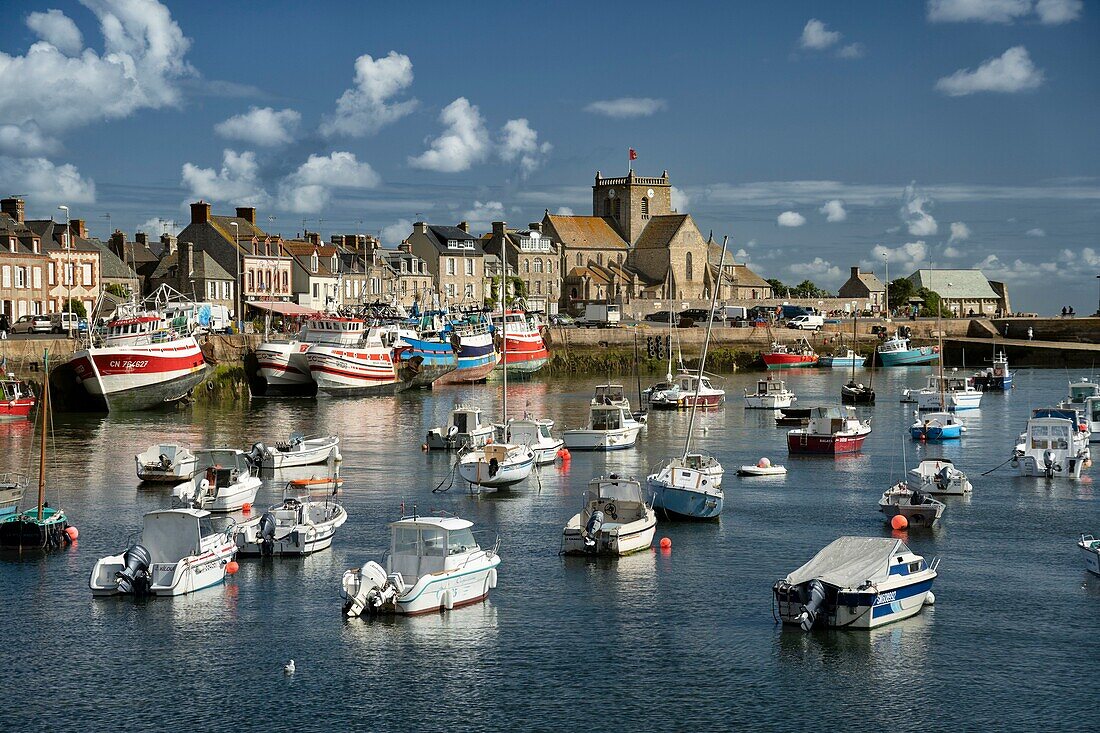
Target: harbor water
(682, 639)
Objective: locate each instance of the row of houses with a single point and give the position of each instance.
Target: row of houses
(634, 249)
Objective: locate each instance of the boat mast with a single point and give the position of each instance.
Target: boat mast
(504, 330)
(939, 336)
(855, 316)
(45, 417)
(668, 377)
(706, 344)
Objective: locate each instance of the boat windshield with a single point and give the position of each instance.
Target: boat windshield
(460, 541)
(614, 491)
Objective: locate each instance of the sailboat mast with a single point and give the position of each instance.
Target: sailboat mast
(855, 316)
(504, 330)
(44, 412)
(706, 345)
(669, 375)
(939, 336)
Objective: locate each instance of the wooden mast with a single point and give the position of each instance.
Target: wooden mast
(45, 416)
(706, 345)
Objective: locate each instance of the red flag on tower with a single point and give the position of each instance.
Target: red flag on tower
(633, 154)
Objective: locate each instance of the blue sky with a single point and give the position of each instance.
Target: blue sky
(816, 135)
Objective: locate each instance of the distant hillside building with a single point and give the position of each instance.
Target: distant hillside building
(964, 292)
(864, 286)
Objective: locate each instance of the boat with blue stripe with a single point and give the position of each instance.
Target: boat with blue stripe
(896, 351)
(856, 583)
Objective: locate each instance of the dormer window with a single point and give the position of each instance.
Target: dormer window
(36, 245)
(11, 244)
(314, 263)
(333, 264)
(459, 244)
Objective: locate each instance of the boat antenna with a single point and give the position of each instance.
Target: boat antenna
(45, 416)
(706, 345)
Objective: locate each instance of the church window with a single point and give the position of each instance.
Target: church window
(688, 264)
(645, 207)
(607, 207)
(580, 260)
(599, 258)
(526, 266)
(538, 266)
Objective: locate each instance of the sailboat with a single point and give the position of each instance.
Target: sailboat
(44, 526)
(690, 486)
(853, 393)
(943, 393)
(497, 465)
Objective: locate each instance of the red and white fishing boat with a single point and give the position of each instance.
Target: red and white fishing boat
(366, 367)
(784, 356)
(831, 431)
(283, 363)
(526, 349)
(17, 400)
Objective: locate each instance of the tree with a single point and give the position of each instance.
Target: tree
(75, 306)
(779, 290)
(119, 290)
(931, 304)
(516, 289)
(901, 290)
(807, 289)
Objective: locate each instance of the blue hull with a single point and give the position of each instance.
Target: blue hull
(935, 433)
(434, 353)
(910, 357)
(836, 362)
(676, 503)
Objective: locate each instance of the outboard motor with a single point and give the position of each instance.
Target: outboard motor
(594, 523)
(943, 478)
(256, 455)
(368, 588)
(164, 462)
(809, 612)
(1049, 466)
(265, 533)
(494, 466)
(134, 578)
(452, 432)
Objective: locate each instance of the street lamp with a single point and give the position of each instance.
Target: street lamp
(886, 305)
(237, 256)
(1098, 297)
(69, 266)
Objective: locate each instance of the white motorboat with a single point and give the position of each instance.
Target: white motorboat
(1084, 397)
(936, 426)
(688, 487)
(856, 583)
(283, 363)
(223, 482)
(298, 451)
(1055, 445)
(918, 508)
(496, 465)
(610, 394)
(301, 525)
(535, 434)
(464, 429)
(942, 392)
(938, 477)
(683, 391)
(615, 520)
(610, 427)
(433, 564)
(1090, 546)
(763, 467)
(179, 552)
(770, 394)
(165, 462)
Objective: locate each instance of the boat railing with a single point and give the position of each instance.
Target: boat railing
(934, 564)
(13, 477)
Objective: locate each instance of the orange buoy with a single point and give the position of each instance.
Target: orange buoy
(899, 522)
(666, 543)
(423, 446)
(72, 533)
(246, 508)
(232, 567)
(563, 453)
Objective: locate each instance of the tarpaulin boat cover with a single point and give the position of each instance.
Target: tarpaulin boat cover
(849, 562)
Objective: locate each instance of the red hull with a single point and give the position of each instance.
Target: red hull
(17, 409)
(789, 361)
(798, 443)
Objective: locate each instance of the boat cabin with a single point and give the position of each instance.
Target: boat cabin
(173, 534)
(607, 417)
(1081, 391)
(425, 545)
(221, 467)
(13, 389)
(466, 419)
(1051, 429)
(145, 329)
(332, 330)
(609, 394)
(618, 498)
(768, 387)
(528, 432)
(830, 420)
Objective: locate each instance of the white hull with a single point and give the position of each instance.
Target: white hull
(547, 453)
(443, 591)
(618, 439)
(140, 376)
(337, 369)
(291, 538)
(612, 539)
(768, 402)
(924, 477)
(310, 453)
(1029, 466)
(514, 469)
(1090, 547)
(930, 400)
(228, 498)
(180, 467)
(762, 471)
(168, 579)
(283, 364)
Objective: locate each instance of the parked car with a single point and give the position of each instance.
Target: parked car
(699, 315)
(562, 319)
(659, 317)
(32, 324)
(806, 323)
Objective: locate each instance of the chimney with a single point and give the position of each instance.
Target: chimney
(200, 212)
(167, 244)
(78, 228)
(314, 238)
(498, 230)
(855, 271)
(420, 227)
(405, 247)
(117, 243)
(535, 226)
(248, 213)
(464, 226)
(15, 208)
(143, 239)
(186, 262)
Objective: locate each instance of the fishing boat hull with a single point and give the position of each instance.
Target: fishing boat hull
(909, 357)
(477, 358)
(24, 530)
(837, 362)
(1090, 548)
(789, 361)
(993, 383)
(811, 444)
(601, 440)
(140, 377)
(339, 370)
(284, 364)
(16, 409)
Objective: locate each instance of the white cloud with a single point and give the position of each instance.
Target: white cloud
(483, 214)
(367, 107)
(1088, 257)
(984, 11)
(816, 37)
(919, 222)
(520, 142)
(819, 268)
(1055, 12)
(1008, 73)
(960, 232)
(308, 189)
(952, 252)
(834, 211)
(465, 140)
(57, 29)
(142, 63)
(626, 107)
(851, 51)
(156, 226)
(906, 258)
(25, 141)
(393, 234)
(236, 182)
(812, 192)
(790, 219)
(261, 126)
(1036, 232)
(564, 211)
(680, 200)
(38, 178)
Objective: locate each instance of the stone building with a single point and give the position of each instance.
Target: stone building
(23, 264)
(411, 283)
(593, 258)
(315, 272)
(114, 271)
(963, 292)
(864, 286)
(73, 271)
(532, 257)
(137, 255)
(455, 259)
(194, 274)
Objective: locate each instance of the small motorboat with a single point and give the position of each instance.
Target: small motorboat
(610, 427)
(301, 525)
(936, 426)
(782, 356)
(847, 360)
(938, 477)
(16, 398)
(496, 465)
(920, 509)
(947, 393)
(223, 482)
(1090, 545)
(856, 583)
(831, 431)
(316, 484)
(1055, 445)
(896, 350)
(763, 467)
(433, 564)
(298, 451)
(535, 434)
(165, 462)
(464, 429)
(688, 487)
(770, 394)
(12, 487)
(615, 520)
(857, 393)
(995, 378)
(792, 417)
(179, 552)
(683, 391)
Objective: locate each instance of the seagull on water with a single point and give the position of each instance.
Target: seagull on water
(288, 668)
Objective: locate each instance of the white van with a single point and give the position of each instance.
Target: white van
(735, 313)
(807, 323)
(62, 321)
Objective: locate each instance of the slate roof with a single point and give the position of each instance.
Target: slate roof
(110, 266)
(439, 235)
(302, 252)
(206, 267)
(867, 280)
(587, 232)
(955, 284)
(48, 229)
(660, 230)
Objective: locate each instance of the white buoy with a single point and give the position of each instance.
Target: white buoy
(930, 599)
(288, 668)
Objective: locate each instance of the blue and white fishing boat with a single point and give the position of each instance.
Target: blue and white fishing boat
(936, 426)
(856, 583)
(995, 378)
(896, 351)
(848, 360)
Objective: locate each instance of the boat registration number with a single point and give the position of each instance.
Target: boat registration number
(886, 597)
(128, 364)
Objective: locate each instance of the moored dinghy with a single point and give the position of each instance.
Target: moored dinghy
(615, 520)
(165, 462)
(301, 525)
(763, 467)
(918, 508)
(433, 564)
(223, 482)
(298, 451)
(938, 477)
(856, 583)
(935, 426)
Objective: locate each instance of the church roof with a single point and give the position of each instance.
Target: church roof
(660, 230)
(587, 232)
(955, 284)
